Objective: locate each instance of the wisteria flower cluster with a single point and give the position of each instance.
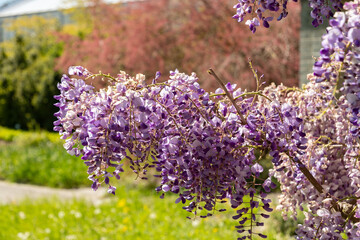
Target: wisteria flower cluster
(201, 146)
(341, 44)
(330, 164)
(259, 11)
(210, 148)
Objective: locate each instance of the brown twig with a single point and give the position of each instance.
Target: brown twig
(345, 213)
(228, 94)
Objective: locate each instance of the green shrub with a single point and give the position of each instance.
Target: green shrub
(28, 137)
(27, 76)
(39, 158)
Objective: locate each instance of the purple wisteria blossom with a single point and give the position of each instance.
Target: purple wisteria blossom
(320, 9)
(198, 144)
(210, 148)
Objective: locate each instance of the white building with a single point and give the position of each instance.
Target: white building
(12, 9)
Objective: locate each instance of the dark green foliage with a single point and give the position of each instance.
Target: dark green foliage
(27, 76)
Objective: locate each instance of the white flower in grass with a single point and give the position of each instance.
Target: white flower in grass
(97, 211)
(61, 214)
(71, 237)
(195, 223)
(23, 236)
(76, 214)
(22, 215)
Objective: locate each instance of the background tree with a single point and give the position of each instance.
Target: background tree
(27, 76)
(155, 35)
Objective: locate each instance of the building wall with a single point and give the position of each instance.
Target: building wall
(4, 21)
(310, 42)
(51, 13)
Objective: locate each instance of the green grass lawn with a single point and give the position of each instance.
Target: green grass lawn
(134, 213)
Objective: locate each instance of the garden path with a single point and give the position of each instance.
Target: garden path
(15, 192)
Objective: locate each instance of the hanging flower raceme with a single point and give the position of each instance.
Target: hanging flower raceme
(341, 42)
(258, 11)
(199, 143)
(341, 45)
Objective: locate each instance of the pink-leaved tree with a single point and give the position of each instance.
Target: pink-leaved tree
(147, 35)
